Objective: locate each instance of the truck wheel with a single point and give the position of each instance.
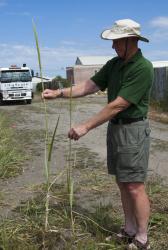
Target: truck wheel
(1, 100)
(28, 101)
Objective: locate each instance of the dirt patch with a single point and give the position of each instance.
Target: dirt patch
(159, 116)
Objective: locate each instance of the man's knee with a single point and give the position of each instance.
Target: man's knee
(134, 189)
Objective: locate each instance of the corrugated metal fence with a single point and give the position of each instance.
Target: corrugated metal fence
(160, 85)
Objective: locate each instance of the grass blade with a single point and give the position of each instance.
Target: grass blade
(71, 205)
(38, 49)
(47, 167)
(71, 195)
(52, 140)
(45, 106)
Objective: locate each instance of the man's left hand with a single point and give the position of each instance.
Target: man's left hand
(78, 131)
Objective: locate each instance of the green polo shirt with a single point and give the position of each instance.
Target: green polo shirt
(131, 80)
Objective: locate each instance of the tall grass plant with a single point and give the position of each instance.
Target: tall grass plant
(48, 144)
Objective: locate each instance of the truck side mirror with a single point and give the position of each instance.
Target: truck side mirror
(32, 72)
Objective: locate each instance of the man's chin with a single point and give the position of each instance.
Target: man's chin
(121, 57)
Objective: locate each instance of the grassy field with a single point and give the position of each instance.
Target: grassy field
(96, 209)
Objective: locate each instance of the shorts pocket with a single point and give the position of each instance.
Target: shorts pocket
(126, 149)
(130, 158)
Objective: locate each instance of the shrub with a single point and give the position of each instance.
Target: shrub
(56, 83)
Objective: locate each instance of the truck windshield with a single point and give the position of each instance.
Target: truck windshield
(15, 76)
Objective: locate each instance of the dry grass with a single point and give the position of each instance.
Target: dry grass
(91, 226)
(11, 155)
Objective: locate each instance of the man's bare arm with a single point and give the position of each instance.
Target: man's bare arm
(107, 113)
(79, 90)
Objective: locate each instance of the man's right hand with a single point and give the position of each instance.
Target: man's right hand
(51, 94)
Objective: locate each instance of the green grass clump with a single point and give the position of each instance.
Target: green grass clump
(11, 156)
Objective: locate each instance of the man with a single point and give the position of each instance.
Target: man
(128, 79)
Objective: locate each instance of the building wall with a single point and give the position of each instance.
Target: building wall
(78, 74)
(36, 80)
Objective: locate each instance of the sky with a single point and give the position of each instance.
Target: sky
(71, 28)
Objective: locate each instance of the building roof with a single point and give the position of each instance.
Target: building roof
(101, 60)
(37, 79)
(92, 60)
(159, 64)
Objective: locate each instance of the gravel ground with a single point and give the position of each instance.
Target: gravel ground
(90, 151)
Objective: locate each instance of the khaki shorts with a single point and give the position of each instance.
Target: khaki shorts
(128, 151)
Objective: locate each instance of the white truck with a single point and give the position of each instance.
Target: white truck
(16, 84)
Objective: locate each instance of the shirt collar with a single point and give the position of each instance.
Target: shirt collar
(134, 58)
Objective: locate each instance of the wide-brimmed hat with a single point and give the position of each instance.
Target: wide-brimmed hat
(123, 28)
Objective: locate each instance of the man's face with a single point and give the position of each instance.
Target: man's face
(119, 46)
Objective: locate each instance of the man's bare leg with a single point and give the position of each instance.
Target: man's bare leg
(130, 221)
(135, 205)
